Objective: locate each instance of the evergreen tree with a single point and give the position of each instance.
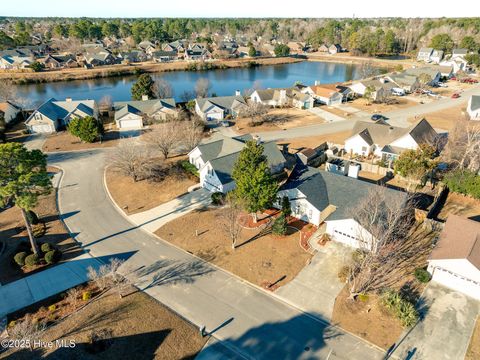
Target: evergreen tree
(86, 129)
(143, 86)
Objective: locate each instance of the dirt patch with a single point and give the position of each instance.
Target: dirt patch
(443, 119)
(64, 141)
(14, 235)
(17, 132)
(400, 103)
(134, 197)
(279, 119)
(461, 205)
(260, 257)
(366, 318)
(473, 351)
(136, 326)
(314, 141)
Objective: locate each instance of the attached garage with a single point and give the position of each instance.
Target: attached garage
(212, 116)
(42, 129)
(455, 260)
(130, 124)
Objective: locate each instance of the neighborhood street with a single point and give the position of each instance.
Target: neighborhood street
(246, 319)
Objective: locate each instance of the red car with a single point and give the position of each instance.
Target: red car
(453, 78)
(455, 96)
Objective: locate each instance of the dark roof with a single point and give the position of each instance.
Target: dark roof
(423, 133)
(323, 188)
(460, 239)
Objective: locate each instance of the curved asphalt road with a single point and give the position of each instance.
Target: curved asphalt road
(247, 320)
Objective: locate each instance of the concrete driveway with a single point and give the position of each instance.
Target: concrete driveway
(446, 328)
(328, 116)
(317, 286)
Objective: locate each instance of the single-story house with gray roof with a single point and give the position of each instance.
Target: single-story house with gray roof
(317, 196)
(131, 114)
(217, 108)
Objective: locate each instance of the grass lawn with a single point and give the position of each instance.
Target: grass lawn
(314, 141)
(136, 327)
(134, 197)
(459, 204)
(473, 352)
(261, 260)
(13, 234)
(443, 119)
(279, 119)
(64, 141)
(362, 105)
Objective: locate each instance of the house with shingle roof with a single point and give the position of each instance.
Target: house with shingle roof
(132, 114)
(60, 61)
(473, 107)
(218, 108)
(424, 54)
(9, 111)
(324, 95)
(53, 114)
(215, 161)
(318, 196)
(455, 260)
(381, 88)
(386, 141)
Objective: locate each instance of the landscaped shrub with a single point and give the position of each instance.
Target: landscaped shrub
(20, 258)
(363, 297)
(343, 273)
(32, 217)
(31, 260)
(52, 308)
(190, 168)
(38, 230)
(279, 226)
(422, 275)
(46, 247)
(463, 182)
(52, 256)
(402, 309)
(218, 198)
(86, 295)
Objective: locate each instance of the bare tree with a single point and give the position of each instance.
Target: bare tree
(386, 237)
(463, 146)
(109, 276)
(27, 329)
(187, 96)
(73, 297)
(367, 70)
(131, 158)
(229, 217)
(424, 80)
(191, 132)
(165, 137)
(7, 90)
(163, 89)
(256, 112)
(202, 87)
(106, 103)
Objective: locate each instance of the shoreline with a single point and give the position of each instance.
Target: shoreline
(24, 78)
(347, 59)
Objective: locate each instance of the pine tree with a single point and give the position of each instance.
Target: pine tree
(143, 86)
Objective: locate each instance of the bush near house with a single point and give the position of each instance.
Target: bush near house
(52, 257)
(190, 168)
(20, 258)
(87, 129)
(46, 247)
(279, 226)
(464, 182)
(404, 310)
(218, 198)
(422, 275)
(31, 260)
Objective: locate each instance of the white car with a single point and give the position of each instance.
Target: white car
(398, 91)
(442, 85)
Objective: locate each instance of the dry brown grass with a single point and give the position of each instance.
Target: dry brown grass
(261, 260)
(313, 141)
(134, 197)
(402, 103)
(140, 328)
(473, 352)
(443, 119)
(461, 205)
(64, 141)
(279, 119)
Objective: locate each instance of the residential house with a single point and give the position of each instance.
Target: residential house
(433, 72)
(317, 196)
(296, 47)
(267, 50)
(334, 48)
(147, 47)
(164, 56)
(270, 97)
(197, 52)
(344, 90)
(424, 54)
(409, 83)
(324, 95)
(300, 100)
(215, 161)
(132, 114)
(455, 260)
(437, 56)
(313, 157)
(459, 53)
(10, 111)
(323, 48)
(473, 107)
(133, 56)
(53, 115)
(218, 108)
(60, 61)
(97, 56)
(9, 62)
(380, 88)
(386, 141)
(457, 64)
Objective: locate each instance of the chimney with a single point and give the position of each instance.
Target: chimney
(144, 97)
(237, 93)
(68, 99)
(317, 82)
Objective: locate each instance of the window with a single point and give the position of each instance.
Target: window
(310, 214)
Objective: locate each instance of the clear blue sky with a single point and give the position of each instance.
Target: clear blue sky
(236, 8)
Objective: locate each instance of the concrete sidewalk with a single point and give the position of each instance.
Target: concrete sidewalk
(153, 219)
(328, 116)
(33, 288)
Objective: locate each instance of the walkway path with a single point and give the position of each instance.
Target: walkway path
(328, 116)
(242, 317)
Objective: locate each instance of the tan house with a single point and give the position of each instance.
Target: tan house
(134, 114)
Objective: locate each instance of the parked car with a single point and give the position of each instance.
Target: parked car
(377, 117)
(443, 85)
(398, 91)
(453, 78)
(455, 95)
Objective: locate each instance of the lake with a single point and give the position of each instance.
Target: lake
(223, 82)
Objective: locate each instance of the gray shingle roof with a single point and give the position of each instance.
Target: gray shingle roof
(57, 110)
(223, 102)
(142, 106)
(323, 188)
(475, 103)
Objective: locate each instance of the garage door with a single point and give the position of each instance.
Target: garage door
(215, 116)
(457, 282)
(131, 124)
(41, 128)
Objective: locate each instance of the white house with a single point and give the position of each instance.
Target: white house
(131, 114)
(386, 141)
(473, 107)
(437, 56)
(318, 196)
(53, 114)
(8, 62)
(10, 111)
(334, 48)
(455, 260)
(424, 54)
(381, 88)
(324, 95)
(217, 108)
(270, 97)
